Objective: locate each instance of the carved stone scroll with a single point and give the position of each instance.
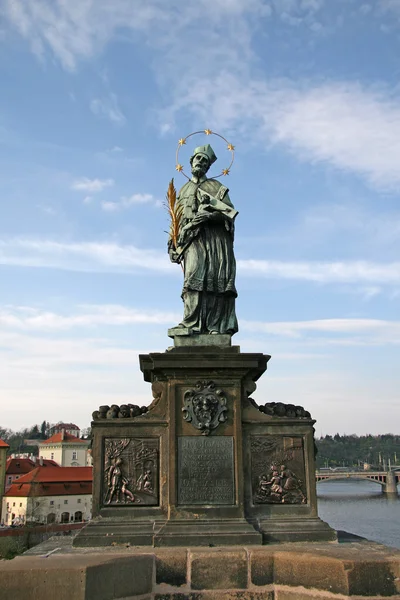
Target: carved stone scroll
(278, 470)
(131, 471)
(205, 406)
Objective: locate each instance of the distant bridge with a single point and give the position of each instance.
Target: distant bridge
(387, 480)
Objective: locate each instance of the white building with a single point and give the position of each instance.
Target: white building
(50, 495)
(65, 449)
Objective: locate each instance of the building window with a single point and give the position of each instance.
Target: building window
(13, 503)
(51, 502)
(20, 504)
(79, 500)
(52, 456)
(37, 504)
(17, 477)
(74, 455)
(9, 478)
(65, 501)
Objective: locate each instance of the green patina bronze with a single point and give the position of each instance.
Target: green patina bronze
(205, 247)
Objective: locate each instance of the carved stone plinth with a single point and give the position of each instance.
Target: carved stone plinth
(204, 465)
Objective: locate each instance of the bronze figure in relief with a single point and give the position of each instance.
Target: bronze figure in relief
(131, 471)
(278, 470)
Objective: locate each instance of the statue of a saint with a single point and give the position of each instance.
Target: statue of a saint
(205, 245)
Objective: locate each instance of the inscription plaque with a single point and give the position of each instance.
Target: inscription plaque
(206, 470)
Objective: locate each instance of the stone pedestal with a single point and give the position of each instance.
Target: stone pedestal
(204, 465)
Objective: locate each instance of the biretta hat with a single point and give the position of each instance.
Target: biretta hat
(207, 151)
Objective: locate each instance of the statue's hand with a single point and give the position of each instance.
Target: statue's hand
(174, 256)
(201, 217)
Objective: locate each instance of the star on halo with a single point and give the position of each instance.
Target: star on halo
(231, 147)
(182, 141)
(179, 168)
(208, 131)
(225, 171)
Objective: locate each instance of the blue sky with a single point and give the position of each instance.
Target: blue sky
(94, 95)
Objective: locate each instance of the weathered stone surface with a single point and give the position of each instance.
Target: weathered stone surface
(218, 595)
(369, 578)
(218, 570)
(77, 577)
(296, 569)
(219, 340)
(261, 568)
(178, 596)
(171, 567)
(300, 594)
(211, 532)
(292, 571)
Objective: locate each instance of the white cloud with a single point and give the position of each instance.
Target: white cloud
(83, 256)
(77, 30)
(112, 257)
(361, 331)
(351, 127)
(335, 331)
(323, 272)
(91, 185)
(348, 126)
(28, 318)
(128, 201)
(108, 108)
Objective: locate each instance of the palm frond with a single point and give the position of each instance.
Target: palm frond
(175, 212)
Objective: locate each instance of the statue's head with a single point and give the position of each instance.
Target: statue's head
(202, 159)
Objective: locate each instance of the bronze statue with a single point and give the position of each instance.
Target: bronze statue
(204, 245)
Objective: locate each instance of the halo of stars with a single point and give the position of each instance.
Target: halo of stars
(182, 142)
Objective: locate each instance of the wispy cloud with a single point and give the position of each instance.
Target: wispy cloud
(83, 256)
(324, 272)
(73, 30)
(349, 126)
(332, 331)
(112, 257)
(357, 331)
(108, 108)
(28, 318)
(346, 125)
(84, 184)
(128, 201)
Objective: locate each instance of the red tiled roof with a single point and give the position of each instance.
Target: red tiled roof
(65, 437)
(53, 481)
(18, 466)
(18, 490)
(3, 444)
(47, 462)
(59, 474)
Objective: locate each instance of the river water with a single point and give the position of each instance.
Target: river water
(360, 507)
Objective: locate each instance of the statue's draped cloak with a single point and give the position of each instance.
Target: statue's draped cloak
(209, 290)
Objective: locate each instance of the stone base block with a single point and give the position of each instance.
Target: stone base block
(216, 340)
(218, 532)
(296, 530)
(77, 577)
(108, 532)
(297, 571)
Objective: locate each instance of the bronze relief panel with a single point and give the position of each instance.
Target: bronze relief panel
(131, 472)
(278, 470)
